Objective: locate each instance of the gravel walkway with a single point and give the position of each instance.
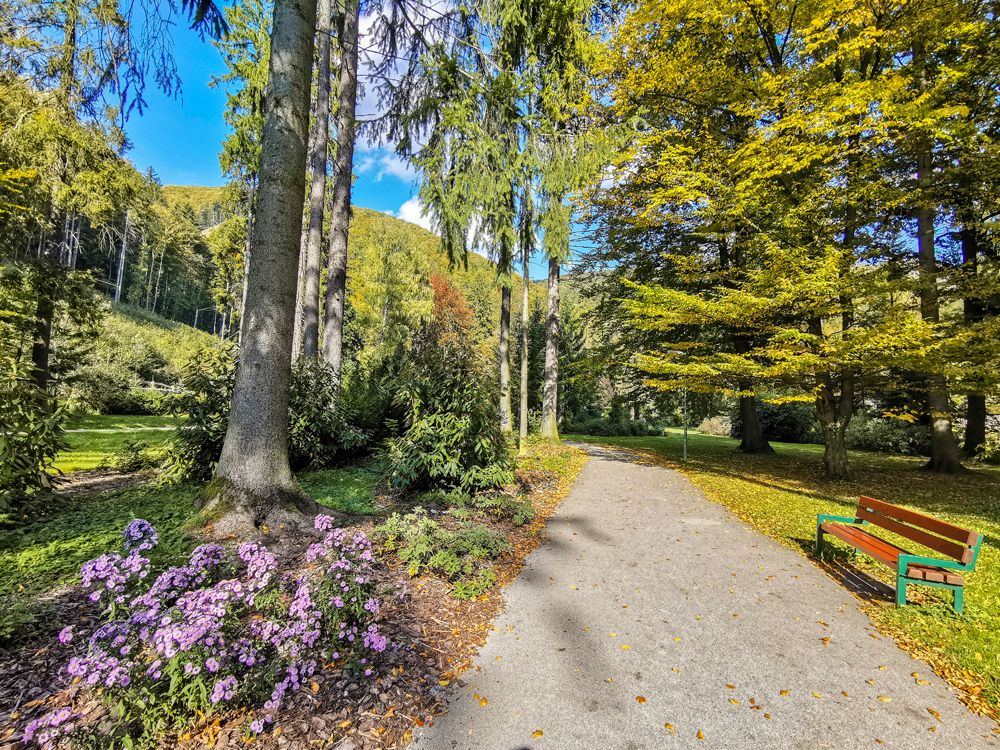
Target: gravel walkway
(653, 618)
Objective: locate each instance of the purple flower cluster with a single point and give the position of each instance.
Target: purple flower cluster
(113, 572)
(47, 730)
(193, 626)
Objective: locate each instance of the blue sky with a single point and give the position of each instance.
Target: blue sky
(180, 138)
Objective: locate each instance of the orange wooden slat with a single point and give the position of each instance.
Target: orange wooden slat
(883, 551)
(937, 526)
(929, 573)
(914, 533)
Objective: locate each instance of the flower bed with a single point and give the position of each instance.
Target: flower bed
(216, 631)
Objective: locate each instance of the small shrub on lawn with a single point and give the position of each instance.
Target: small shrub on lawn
(32, 427)
(612, 428)
(135, 455)
(718, 426)
(215, 632)
(460, 556)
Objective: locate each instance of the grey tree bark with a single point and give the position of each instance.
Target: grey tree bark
(523, 414)
(317, 195)
(550, 391)
(506, 424)
(253, 485)
(246, 256)
(340, 211)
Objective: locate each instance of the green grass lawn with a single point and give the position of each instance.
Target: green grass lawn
(114, 422)
(782, 494)
(40, 557)
(87, 449)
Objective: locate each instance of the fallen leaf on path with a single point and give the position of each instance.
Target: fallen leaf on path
(884, 698)
(700, 735)
(844, 693)
(731, 687)
(537, 733)
(640, 699)
(669, 726)
(767, 716)
(626, 647)
(934, 713)
(784, 692)
(483, 702)
(818, 695)
(735, 703)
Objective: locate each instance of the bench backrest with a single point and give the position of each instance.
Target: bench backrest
(948, 539)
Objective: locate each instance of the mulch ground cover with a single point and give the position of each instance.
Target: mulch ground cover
(436, 638)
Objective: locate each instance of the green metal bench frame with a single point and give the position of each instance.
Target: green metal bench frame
(905, 559)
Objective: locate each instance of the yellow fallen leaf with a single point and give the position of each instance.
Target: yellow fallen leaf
(914, 674)
(735, 703)
(613, 635)
(700, 735)
(844, 693)
(626, 647)
(767, 716)
(923, 682)
(731, 687)
(315, 687)
(537, 733)
(669, 726)
(870, 682)
(784, 692)
(344, 724)
(676, 639)
(882, 668)
(934, 713)
(444, 682)
(884, 698)
(640, 699)
(817, 695)
(483, 701)
(573, 587)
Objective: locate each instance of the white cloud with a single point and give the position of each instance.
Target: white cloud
(413, 212)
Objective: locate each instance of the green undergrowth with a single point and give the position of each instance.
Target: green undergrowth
(782, 494)
(40, 557)
(462, 556)
(351, 490)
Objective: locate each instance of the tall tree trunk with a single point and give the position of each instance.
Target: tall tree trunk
(246, 256)
(253, 483)
(753, 440)
(42, 339)
(550, 391)
(121, 259)
(506, 426)
(525, 322)
(340, 211)
(299, 303)
(974, 310)
(317, 195)
(944, 448)
(834, 409)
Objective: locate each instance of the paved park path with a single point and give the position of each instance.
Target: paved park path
(653, 618)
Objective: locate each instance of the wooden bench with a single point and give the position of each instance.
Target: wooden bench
(960, 545)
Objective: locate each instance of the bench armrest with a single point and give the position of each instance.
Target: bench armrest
(822, 517)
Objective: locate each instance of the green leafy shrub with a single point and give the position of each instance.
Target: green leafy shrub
(498, 504)
(207, 380)
(32, 426)
(451, 403)
(869, 432)
(613, 428)
(114, 389)
(318, 430)
(135, 455)
(425, 545)
(793, 422)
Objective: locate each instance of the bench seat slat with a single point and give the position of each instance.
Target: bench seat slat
(930, 573)
(883, 551)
